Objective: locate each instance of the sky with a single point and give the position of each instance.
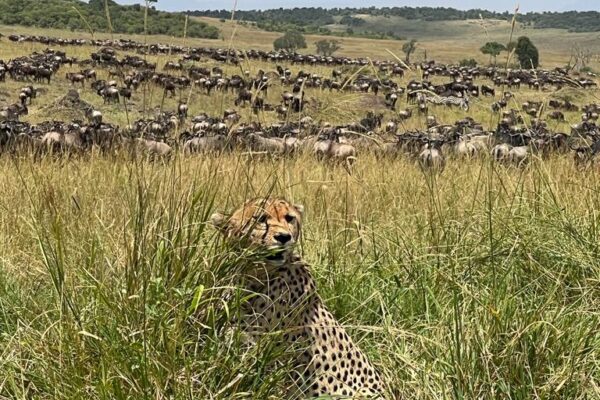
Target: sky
(495, 5)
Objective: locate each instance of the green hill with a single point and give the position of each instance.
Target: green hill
(63, 14)
(323, 20)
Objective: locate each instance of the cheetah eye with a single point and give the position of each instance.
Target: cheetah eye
(290, 218)
(262, 219)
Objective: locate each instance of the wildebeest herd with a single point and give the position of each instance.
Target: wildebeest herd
(119, 71)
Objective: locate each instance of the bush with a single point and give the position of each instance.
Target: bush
(291, 41)
(527, 54)
(327, 47)
(468, 62)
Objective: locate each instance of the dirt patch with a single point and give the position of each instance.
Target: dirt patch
(372, 102)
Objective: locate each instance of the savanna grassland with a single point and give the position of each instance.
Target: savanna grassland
(482, 282)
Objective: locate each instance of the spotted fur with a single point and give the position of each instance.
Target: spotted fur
(329, 363)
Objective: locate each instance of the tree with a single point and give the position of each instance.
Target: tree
(468, 62)
(352, 21)
(527, 54)
(408, 48)
(92, 16)
(493, 49)
(327, 47)
(146, 18)
(580, 58)
(291, 41)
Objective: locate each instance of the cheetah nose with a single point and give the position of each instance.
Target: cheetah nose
(283, 238)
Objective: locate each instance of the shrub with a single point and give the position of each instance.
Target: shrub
(468, 62)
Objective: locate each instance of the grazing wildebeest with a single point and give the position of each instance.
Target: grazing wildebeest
(109, 94)
(76, 78)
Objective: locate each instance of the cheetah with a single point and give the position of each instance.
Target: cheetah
(329, 362)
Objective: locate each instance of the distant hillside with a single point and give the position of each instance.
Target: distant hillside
(314, 20)
(61, 14)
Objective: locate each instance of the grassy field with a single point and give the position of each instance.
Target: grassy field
(446, 41)
(480, 283)
(323, 105)
(449, 41)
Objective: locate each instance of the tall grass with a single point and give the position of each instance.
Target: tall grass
(479, 284)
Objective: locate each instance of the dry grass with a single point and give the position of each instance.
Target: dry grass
(323, 105)
(445, 42)
(479, 283)
(450, 41)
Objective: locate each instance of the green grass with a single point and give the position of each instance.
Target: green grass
(480, 283)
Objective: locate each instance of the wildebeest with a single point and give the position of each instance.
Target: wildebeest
(94, 116)
(151, 147)
(276, 146)
(69, 141)
(330, 149)
(109, 94)
(501, 152)
(76, 78)
(432, 158)
(244, 96)
(519, 155)
(205, 144)
(465, 149)
(182, 111)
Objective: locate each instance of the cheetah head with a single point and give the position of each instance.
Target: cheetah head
(271, 225)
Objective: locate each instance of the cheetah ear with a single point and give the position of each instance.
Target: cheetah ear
(219, 221)
(299, 208)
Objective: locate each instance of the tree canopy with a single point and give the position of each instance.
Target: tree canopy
(327, 47)
(493, 49)
(468, 62)
(527, 54)
(352, 21)
(63, 14)
(291, 41)
(314, 19)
